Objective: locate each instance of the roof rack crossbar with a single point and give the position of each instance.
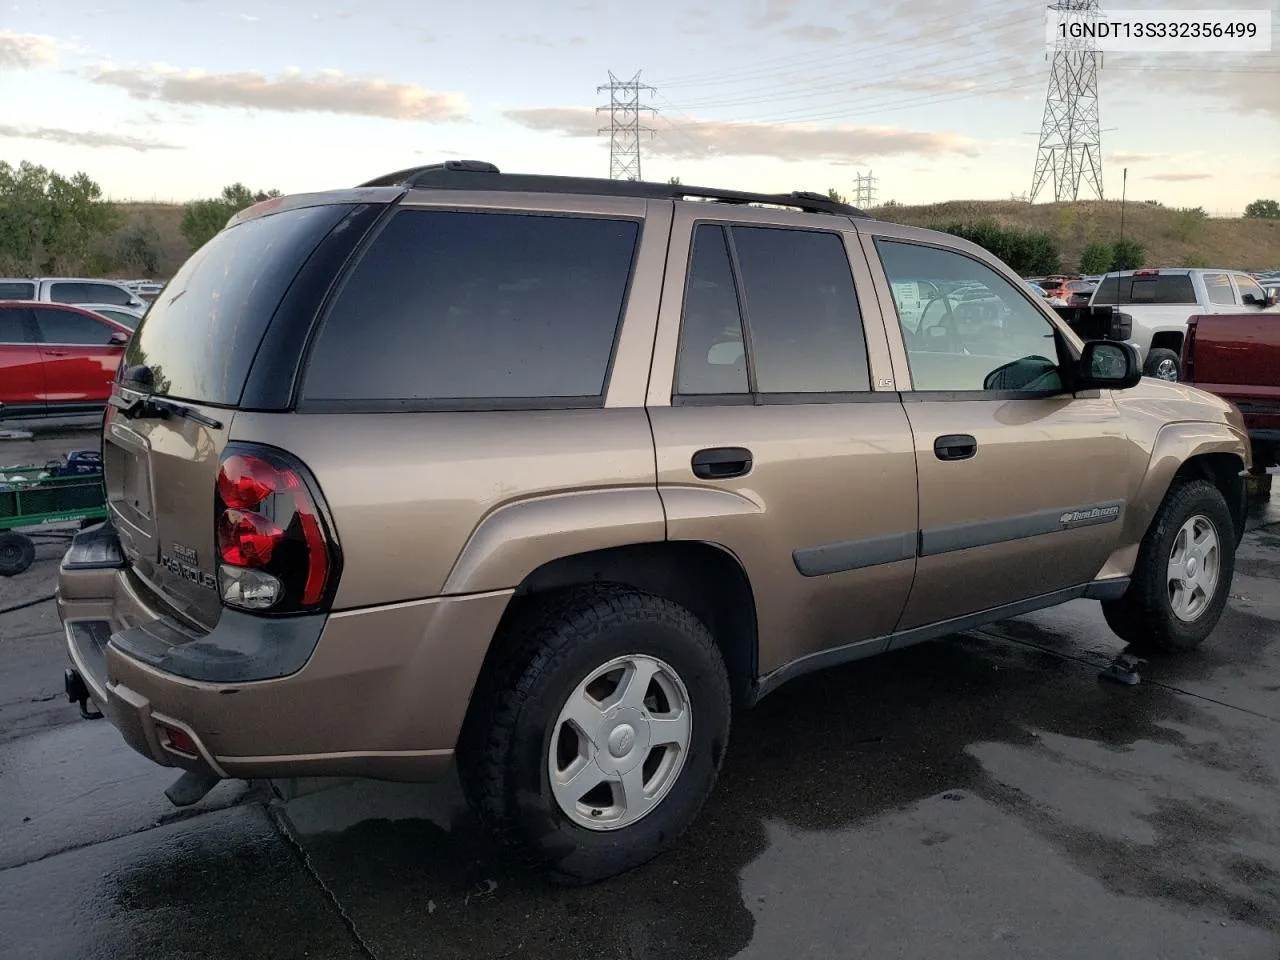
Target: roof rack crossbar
(478, 175)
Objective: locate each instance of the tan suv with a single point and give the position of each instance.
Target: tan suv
(548, 473)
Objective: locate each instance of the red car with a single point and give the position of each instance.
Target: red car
(56, 359)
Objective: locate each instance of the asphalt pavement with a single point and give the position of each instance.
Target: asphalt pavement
(986, 796)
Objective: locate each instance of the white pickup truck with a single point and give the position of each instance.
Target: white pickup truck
(1160, 301)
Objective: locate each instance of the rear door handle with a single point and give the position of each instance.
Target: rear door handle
(955, 446)
(722, 463)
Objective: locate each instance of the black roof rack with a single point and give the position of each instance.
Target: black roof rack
(478, 175)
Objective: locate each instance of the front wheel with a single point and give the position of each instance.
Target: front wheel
(1163, 364)
(1183, 573)
(595, 743)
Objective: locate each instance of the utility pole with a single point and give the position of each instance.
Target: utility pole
(1070, 133)
(1124, 191)
(624, 127)
(864, 190)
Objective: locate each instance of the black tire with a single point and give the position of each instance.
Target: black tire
(1144, 616)
(17, 552)
(548, 649)
(1159, 356)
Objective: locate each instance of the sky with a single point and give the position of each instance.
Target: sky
(937, 99)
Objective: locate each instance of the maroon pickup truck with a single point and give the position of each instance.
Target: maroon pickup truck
(1237, 356)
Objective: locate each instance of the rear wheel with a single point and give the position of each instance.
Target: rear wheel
(1163, 364)
(1182, 575)
(17, 552)
(597, 741)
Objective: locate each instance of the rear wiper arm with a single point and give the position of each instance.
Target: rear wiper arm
(149, 405)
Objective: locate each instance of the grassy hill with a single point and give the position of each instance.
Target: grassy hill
(1171, 238)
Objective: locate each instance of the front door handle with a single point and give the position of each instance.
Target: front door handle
(56, 353)
(955, 446)
(722, 463)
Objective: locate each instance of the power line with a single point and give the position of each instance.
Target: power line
(1070, 133)
(624, 127)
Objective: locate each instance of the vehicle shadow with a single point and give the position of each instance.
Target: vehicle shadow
(826, 753)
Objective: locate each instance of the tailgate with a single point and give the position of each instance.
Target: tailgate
(160, 475)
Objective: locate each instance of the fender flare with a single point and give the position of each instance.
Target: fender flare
(518, 538)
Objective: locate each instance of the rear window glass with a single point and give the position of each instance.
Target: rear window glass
(1164, 288)
(200, 336)
(11, 290)
(458, 307)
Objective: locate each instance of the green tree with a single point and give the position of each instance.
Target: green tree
(1096, 258)
(138, 249)
(674, 181)
(1127, 255)
(836, 195)
(49, 223)
(203, 219)
(1263, 210)
(1026, 251)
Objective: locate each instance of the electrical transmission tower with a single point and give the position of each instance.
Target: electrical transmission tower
(864, 186)
(1070, 134)
(624, 127)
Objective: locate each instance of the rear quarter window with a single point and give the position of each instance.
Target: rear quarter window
(200, 336)
(459, 309)
(1166, 289)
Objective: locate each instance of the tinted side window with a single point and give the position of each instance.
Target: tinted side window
(712, 358)
(1219, 287)
(69, 293)
(67, 326)
(106, 293)
(13, 325)
(450, 306)
(965, 327)
(17, 290)
(802, 313)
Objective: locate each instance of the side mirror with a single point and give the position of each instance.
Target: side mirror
(1272, 296)
(119, 338)
(1108, 365)
(1249, 300)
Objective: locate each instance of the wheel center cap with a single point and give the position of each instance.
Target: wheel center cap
(1192, 565)
(621, 740)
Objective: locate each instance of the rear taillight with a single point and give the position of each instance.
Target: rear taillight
(276, 550)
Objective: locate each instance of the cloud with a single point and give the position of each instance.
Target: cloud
(1123, 157)
(1179, 177)
(328, 91)
(773, 12)
(26, 51)
(249, 18)
(704, 140)
(812, 32)
(84, 138)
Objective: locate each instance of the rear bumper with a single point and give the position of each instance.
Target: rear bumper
(382, 693)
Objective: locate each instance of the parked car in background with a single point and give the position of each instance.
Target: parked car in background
(1162, 300)
(73, 290)
(56, 359)
(352, 465)
(125, 316)
(1072, 291)
(1038, 290)
(146, 289)
(1237, 356)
